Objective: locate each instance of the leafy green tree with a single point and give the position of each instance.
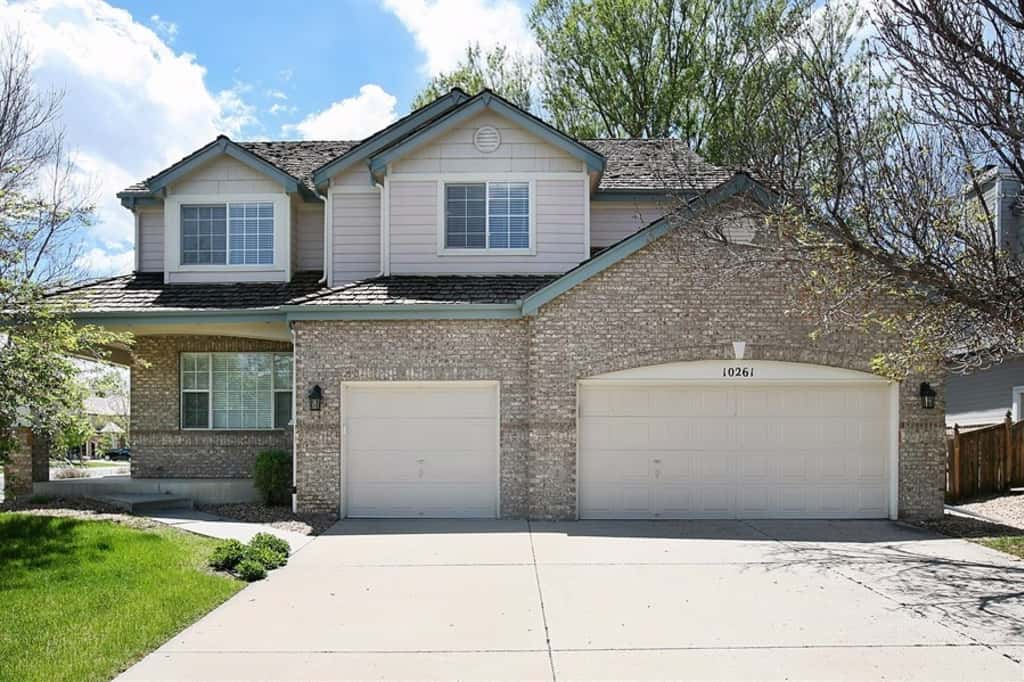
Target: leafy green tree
(662, 68)
(507, 74)
(42, 213)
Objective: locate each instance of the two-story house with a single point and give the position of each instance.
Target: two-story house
(471, 313)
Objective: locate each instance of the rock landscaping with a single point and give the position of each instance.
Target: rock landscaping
(281, 518)
(1007, 509)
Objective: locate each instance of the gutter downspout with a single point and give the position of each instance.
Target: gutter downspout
(295, 425)
(385, 232)
(328, 206)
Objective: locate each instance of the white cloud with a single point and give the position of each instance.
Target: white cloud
(352, 118)
(443, 28)
(286, 74)
(100, 263)
(132, 105)
(278, 108)
(168, 29)
(276, 94)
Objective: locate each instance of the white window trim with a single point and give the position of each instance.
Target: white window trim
(1017, 403)
(443, 250)
(282, 231)
(274, 390)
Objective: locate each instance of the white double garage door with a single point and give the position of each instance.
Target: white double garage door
(647, 448)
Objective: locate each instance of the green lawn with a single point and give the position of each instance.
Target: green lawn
(1011, 544)
(81, 600)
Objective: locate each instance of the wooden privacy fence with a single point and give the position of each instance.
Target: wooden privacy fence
(985, 461)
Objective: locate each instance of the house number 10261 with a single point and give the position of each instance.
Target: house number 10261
(738, 372)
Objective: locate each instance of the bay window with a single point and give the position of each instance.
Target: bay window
(236, 390)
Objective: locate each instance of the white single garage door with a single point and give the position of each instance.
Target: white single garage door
(804, 442)
(420, 449)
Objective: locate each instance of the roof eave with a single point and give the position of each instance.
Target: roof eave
(384, 138)
(738, 184)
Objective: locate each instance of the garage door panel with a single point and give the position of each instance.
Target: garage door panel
(414, 433)
(429, 450)
(381, 402)
(413, 500)
(786, 451)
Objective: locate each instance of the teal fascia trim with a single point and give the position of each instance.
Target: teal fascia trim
(223, 145)
(602, 261)
(468, 311)
(175, 317)
(739, 184)
(130, 201)
(386, 137)
(595, 162)
(289, 313)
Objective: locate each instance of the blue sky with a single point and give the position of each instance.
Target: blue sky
(147, 82)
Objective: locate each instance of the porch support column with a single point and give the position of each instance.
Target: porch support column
(18, 468)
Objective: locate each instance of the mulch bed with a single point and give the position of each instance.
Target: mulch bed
(281, 518)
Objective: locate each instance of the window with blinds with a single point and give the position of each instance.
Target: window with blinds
(487, 215)
(236, 390)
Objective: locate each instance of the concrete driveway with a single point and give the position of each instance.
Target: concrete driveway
(617, 600)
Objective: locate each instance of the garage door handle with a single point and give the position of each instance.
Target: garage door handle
(421, 461)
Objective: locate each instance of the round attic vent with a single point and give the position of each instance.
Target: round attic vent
(486, 139)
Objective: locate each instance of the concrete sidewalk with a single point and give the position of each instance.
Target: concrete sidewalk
(203, 523)
(711, 600)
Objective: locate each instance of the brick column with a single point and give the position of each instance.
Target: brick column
(18, 468)
(40, 458)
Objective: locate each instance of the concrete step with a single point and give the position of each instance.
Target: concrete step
(140, 503)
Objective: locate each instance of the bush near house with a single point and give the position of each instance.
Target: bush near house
(272, 476)
(251, 562)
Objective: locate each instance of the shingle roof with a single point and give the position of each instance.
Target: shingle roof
(146, 292)
(658, 164)
(632, 164)
(297, 158)
(443, 289)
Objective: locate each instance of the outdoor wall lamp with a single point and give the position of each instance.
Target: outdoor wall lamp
(316, 398)
(927, 394)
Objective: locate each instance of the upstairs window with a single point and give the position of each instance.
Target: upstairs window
(487, 215)
(227, 234)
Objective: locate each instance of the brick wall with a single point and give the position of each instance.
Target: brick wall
(328, 353)
(683, 298)
(680, 298)
(160, 448)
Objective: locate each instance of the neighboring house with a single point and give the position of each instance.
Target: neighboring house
(420, 318)
(985, 397)
(109, 417)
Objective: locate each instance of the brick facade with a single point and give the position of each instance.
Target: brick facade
(328, 353)
(676, 299)
(160, 448)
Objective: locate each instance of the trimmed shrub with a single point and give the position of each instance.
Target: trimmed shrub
(272, 477)
(272, 543)
(227, 555)
(250, 570)
(267, 558)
